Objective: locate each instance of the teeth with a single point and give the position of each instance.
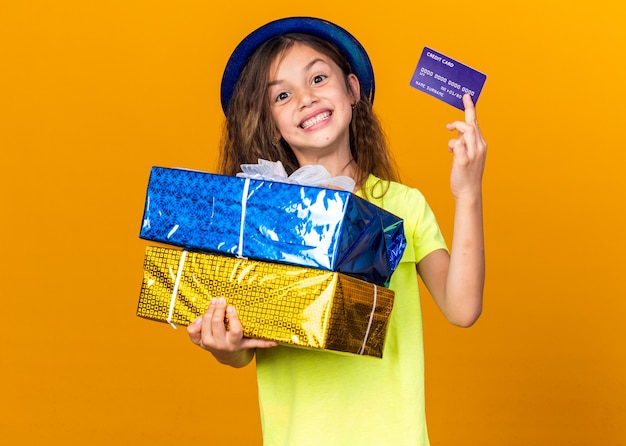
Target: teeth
(309, 122)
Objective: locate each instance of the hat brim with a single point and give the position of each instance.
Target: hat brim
(347, 44)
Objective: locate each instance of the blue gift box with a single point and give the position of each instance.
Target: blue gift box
(272, 221)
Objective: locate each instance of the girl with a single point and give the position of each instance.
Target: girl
(300, 90)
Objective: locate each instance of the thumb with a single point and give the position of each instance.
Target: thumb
(247, 343)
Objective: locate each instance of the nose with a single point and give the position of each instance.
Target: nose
(307, 97)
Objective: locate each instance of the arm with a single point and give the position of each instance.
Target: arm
(456, 281)
(227, 345)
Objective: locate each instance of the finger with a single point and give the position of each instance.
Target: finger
(208, 316)
(469, 140)
(459, 148)
(205, 336)
(194, 330)
(236, 333)
(215, 319)
(247, 343)
(470, 110)
(472, 121)
(470, 133)
(235, 329)
(461, 126)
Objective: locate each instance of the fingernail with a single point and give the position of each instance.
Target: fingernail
(197, 321)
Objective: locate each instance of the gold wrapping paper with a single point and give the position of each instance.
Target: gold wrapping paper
(292, 305)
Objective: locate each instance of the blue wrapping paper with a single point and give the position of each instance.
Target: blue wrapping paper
(271, 221)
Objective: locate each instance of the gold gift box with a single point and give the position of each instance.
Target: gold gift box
(291, 305)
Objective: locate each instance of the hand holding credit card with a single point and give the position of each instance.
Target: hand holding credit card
(446, 79)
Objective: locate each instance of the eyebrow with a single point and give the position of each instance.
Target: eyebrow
(306, 68)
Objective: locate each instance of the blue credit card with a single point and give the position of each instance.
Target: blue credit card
(447, 79)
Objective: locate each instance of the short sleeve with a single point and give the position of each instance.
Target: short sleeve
(420, 224)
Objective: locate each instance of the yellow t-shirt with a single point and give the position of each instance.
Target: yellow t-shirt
(310, 397)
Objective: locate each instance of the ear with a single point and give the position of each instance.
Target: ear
(355, 87)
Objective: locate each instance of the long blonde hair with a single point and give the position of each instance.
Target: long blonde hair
(249, 128)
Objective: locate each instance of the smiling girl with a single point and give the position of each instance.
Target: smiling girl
(300, 90)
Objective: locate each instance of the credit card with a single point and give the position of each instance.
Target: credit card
(447, 79)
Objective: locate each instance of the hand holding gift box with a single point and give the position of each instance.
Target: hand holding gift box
(292, 305)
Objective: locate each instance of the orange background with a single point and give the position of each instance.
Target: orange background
(92, 94)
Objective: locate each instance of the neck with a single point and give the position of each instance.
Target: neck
(334, 164)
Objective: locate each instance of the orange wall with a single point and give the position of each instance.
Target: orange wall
(94, 93)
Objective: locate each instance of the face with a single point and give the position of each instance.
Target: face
(311, 104)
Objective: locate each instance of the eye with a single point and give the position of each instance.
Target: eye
(319, 78)
(282, 96)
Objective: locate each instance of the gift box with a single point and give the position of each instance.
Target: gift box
(292, 305)
(266, 220)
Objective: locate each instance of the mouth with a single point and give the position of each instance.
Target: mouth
(315, 120)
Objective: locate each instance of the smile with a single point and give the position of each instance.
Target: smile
(319, 118)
